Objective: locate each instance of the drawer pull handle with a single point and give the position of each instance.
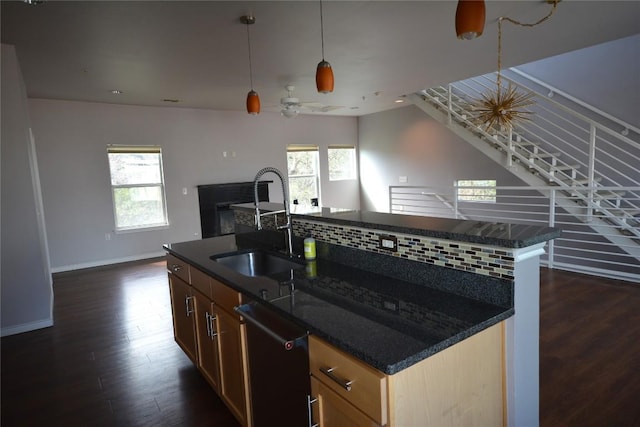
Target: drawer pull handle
(212, 320)
(247, 313)
(176, 268)
(187, 305)
(345, 384)
(208, 321)
(311, 401)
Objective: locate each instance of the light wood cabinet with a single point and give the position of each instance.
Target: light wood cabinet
(461, 385)
(182, 304)
(211, 333)
(356, 382)
(207, 333)
(331, 410)
(234, 387)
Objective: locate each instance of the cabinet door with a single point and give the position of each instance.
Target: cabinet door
(331, 410)
(207, 332)
(182, 305)
(233, 374)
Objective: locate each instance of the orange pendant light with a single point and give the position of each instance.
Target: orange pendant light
(253, 99)
(324, 77)
(324, 73)
(470, 17)
(253, 102)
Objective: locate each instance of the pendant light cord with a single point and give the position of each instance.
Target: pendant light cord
(513, 21)
(322, 30)
(250, 67)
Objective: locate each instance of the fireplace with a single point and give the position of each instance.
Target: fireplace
(216, 216)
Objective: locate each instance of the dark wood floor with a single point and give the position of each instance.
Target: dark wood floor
(589, 351)
(110, 359)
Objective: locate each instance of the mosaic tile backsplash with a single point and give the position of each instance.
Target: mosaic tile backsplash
(474, 258)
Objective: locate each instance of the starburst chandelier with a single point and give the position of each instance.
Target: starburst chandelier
(502, 107)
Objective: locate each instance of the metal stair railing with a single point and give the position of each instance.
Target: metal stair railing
(576, 153)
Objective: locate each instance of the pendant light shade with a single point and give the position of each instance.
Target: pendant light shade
(324, 77)
(470, 17)
(324, 73)
(253, 99)
(253, 102)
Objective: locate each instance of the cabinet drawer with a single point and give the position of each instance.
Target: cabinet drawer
(201, 282)
(178, 267)
(330, 410)
(367, 386)
(224, 296)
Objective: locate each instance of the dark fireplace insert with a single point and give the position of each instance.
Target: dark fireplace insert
(216, 216)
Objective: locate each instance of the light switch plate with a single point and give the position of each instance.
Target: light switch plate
(388, 242)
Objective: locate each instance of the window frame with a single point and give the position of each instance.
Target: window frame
(138, 149)
(354, 161)
(476, 197)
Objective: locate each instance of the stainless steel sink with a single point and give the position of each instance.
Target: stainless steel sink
(257, 262)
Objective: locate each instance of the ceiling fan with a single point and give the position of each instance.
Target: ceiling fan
(291, 106)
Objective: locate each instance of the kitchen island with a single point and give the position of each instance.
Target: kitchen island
(390, 307)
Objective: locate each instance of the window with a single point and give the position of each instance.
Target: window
(137, 186)
(342, 162)
(476, 190)
(302, 168)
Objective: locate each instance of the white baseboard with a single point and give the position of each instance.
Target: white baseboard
(26, 327)
(106, 262)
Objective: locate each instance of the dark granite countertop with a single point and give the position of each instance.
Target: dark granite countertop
(390, 324)
(486, 233)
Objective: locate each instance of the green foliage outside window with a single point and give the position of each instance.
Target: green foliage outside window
(138, 187)
(342, 162)
(302, 168)
(475, 190)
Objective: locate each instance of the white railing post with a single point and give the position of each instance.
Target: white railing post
(449, 108)
(510, 147)
(455, 199)
(552, 223)
(591, 171)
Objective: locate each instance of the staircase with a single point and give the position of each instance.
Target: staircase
(592, 157)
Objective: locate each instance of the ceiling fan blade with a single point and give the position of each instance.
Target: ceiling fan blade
(327, 108)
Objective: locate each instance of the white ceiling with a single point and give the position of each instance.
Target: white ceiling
(196, 52)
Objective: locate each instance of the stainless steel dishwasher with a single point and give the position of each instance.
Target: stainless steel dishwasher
(278, 368)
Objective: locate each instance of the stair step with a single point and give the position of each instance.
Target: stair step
(566, 167)
(584, 181)
(609, 194)
(625, 213)
(526, 143)
(544, 155)
(548, 158)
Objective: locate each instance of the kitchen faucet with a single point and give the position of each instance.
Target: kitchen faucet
(285, 194)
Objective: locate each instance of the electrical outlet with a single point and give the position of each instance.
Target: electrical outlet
(388, 243)
(403, 179)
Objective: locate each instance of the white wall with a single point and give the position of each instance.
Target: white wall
(72, 140)
(605, 76)
(25, 284)
(408, 142)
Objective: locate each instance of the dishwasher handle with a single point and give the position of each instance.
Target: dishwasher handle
(245, 311)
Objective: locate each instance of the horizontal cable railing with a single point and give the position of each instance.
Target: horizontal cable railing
(590, 243)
